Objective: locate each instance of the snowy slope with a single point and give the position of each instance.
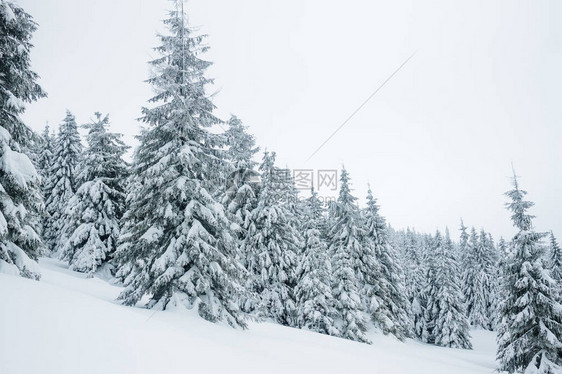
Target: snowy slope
(66, 323)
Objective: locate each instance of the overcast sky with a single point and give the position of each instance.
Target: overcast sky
(436, 143)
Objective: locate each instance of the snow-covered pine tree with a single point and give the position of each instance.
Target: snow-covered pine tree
(502, 247)
(176, 244)
(446, 321)
(430, 291)
(451, 327)
(44, 153)
(294, 203)
(20, 197)
(493, 269)
(478, 281)
(242, 184)
(463, 248)
(313, 292)
(271, 247)
(555, 262)
(346, 249)
(61, 183)
(241, 145)
(384, 291)
(93, 214)
(407, 242)
(474, 299)
(296, 207)
(415, 269)
(331, 205)
(241, 193)
(503, 254)
(494, 254)
(529, 336)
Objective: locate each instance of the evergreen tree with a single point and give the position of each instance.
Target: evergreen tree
(313, 291)
(20, 198)
(242, 183)
(494, 254)
(43, 159)
(503, 253)
(463, 248)
(478, 281)
(415, 269)
(44, 153)
(242, 188)
(555, 262)
(446, 322)
(296, 207)
(293, 201)
(529, 336)
(93, 214)
(384, 289)
(429, 292)
(271, 248)
(346, 248)
(176, 244)
(494, 273)
(61, 182)
(502, 247)
(241, 145)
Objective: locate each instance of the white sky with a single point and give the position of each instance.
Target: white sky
(436, 143)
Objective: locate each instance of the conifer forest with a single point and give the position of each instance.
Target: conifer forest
(196, 238)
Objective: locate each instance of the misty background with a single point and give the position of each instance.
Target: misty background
(436, 143)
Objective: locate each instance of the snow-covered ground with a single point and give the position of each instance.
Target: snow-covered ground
(67, 323)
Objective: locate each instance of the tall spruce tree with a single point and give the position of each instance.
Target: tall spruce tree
(492, 266)
(446, 321)
(346, 248)
(61, 182)
(502, 247)
(176, 245)
(555, 262)
(429, 289)
(415, 268)
(20, 198)
(384, 289)
(313, 291)
(503, 253)
(44, 153)
(529, 336)
(241, 145)
(463, 248)
(242, 188)
(43, 159)
(478, 280)
(270, 247)
(93, 214)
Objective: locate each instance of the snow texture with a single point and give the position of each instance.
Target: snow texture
(80, 329)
